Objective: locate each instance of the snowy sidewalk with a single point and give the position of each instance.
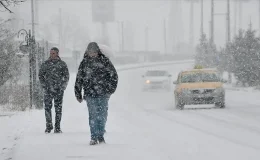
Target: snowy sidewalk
(12, 129)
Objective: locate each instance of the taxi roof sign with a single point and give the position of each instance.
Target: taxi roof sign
(198, 67)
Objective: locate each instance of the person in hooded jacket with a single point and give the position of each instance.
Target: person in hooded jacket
(54, 77)
(98, 78)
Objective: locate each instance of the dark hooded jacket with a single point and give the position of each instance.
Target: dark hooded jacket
(54, 75)
(96, 76)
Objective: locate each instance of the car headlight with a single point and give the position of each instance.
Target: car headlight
(147, 81)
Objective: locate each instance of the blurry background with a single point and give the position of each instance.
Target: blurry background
(143, 24)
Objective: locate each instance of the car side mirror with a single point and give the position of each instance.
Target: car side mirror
(174, 82)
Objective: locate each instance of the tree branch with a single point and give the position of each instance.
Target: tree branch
(1, 3)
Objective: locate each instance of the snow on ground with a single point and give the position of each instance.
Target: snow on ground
(143, 125)
(12, 128)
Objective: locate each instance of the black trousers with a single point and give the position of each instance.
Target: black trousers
(57, 97)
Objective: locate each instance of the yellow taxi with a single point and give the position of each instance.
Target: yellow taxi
(199, 86)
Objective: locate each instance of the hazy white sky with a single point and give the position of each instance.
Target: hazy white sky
(138, 13)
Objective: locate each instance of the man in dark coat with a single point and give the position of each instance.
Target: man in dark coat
(54, 77)
(98, 78)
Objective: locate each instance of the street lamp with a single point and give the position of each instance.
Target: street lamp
(27, 48)
(26, 37)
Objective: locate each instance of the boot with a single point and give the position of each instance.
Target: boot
(93, 142)
(101, 140)
(57, 130)
(49, 127)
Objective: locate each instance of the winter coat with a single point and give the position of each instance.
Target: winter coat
(54, 75)
(96, 76)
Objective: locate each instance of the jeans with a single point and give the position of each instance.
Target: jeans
(57, 96)
(97, 108)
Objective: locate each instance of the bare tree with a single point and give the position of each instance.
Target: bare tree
(6, 4)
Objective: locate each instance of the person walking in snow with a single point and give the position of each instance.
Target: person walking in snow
(54, 78)
(98, 78)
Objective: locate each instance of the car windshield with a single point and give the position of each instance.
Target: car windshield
(199, 77)
(156, 73)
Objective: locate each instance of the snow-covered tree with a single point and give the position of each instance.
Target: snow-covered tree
(245, 61)
(8, 48)
(206, 53)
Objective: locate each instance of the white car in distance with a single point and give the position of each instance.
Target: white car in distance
(156, 79)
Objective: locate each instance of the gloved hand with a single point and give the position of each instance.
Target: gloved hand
(64, 86)
(79, 100)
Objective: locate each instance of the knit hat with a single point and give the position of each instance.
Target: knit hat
(93, 46)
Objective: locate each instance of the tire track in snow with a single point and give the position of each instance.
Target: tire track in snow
(211, 116)
(243, 112)
(143, 121)
(203, 130)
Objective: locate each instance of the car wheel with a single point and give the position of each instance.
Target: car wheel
(178, 104)
(220, 104)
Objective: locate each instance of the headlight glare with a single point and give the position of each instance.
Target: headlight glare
(147, 81)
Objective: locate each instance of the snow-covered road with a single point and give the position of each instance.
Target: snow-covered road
(142, 125)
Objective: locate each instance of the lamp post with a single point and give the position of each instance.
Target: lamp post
(228, 31)
(27, 48)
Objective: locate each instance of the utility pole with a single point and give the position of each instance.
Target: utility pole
(212, 22)
(228, 21)
(33, 56)
(119, 36)
(36, 19)
(165, 36)
(235, 17)
(191, 22)
(33, 23)
(240, 14)
(123, 37)
(146, 38)
(259, 15)
(36, 11)
(60, 29)
(210, 30)
(201, 17)
(228, 35)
